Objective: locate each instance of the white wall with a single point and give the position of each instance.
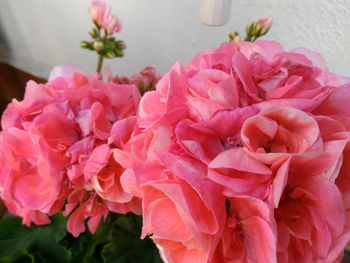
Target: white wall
(35, 35)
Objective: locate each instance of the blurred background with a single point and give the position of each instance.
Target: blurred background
(36, 35)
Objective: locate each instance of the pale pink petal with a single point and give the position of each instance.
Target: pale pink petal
(97, 161)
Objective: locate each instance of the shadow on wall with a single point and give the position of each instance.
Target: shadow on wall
(5, 47)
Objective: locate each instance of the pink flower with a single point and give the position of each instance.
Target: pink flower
(105, 173)
(310, 213)
(145, 80)
(31, 176)
(180, 194)
(89, 209)
(100, 14)
(241, 155)
(249, 234)
(183, 222)
(333, 104)
(107, 169)
(74, 128)
(98, 11)
(240, 174)
(255, 122)
(338, 144)
(112, 24)
(279, 131)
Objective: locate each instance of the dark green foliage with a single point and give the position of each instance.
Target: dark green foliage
(32, 244)
(126, 246)
(117, 240)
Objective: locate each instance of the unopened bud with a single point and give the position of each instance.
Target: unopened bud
(84, 44)
(93, 33)
(238, 40)
(250, 29)
(120, 44)
(98, 46)
(110, 54)
(233, 35)
(119, 53)
(263, 25)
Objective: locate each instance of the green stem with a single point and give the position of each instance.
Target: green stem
(99, 63)
(100, 56)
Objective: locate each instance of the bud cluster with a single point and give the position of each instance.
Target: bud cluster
(106, 45)
(103, 41)
(254, 30)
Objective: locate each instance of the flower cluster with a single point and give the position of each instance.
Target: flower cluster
(145, 80)
(243, 155)
(105, 25)
(62, 146)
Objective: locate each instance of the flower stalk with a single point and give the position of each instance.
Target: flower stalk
(106, 46)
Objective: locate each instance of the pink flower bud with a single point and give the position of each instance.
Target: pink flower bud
(265, 23)
(98, 46)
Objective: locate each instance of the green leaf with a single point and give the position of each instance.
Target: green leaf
(87, 247)
(36, 243)
(117, 240)
(18, 257)
(126, 245)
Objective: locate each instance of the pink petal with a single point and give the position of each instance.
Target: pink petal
(97, 161)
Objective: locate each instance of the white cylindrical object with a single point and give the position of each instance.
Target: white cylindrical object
(215, 12)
